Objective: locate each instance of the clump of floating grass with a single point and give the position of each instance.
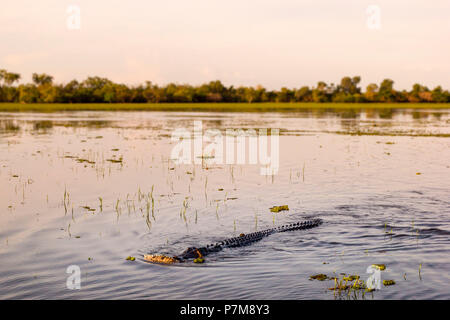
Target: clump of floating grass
(320, 277)
(340, 285)
(130, 258)
(388, 282)
(379, 266)
(351, 278)
(279, 208)
(344, 286)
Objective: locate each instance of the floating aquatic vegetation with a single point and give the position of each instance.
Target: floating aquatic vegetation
(130, 258)
(359, 284)
(120, 160)
(351, 278)
(279, 208)
(320, 277)
(340, 286)
(379, 266)
(80, 160)
(388, 282)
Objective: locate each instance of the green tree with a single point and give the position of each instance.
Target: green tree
(371, 92)
(439, 95)
(386, 92)
(42, 79)
(28, 93)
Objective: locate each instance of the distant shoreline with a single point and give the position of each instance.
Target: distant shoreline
(214, 107)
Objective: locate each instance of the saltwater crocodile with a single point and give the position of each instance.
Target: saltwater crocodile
(241, 240)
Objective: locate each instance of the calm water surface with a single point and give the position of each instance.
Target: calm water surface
(92, 188)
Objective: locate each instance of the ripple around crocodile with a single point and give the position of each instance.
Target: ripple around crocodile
(242, 240)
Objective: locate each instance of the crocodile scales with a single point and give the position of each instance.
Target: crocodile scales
(242, 240)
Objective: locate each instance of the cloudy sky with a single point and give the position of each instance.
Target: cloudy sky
(241, 42)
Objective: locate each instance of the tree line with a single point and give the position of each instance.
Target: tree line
(42, 89)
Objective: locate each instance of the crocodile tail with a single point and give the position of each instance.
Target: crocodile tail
(301, 225)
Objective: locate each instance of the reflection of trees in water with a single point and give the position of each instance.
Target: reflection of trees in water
(9, 126)
(437, 115)
(385, 113)
(417, 115)
(44, 125)
(350, 125)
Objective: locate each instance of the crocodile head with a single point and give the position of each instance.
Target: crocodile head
(189, 253)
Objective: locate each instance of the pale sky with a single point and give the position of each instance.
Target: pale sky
(240, 42)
